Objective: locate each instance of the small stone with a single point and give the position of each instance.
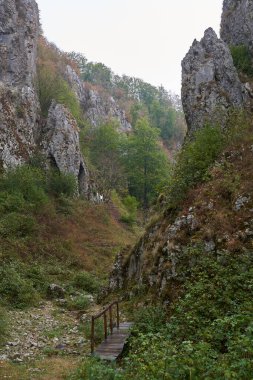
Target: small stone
(241, 202)
(55, 291)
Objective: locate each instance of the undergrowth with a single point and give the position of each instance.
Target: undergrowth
(208, 336)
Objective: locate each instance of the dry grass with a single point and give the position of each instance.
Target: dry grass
(55, 368)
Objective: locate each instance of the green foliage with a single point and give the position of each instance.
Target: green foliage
(99, 330)
(86, 281)
(23, 184)
(131, 205)
(138, 98)
(15, 289)
(80, 302)
(151, 319)
(17, 225)
(95, 369)
(194, 161)
(51, 86)
(209, 330)
(146, 164)
(3, 325)
(105, 147)
(242, 59)
(60, 184)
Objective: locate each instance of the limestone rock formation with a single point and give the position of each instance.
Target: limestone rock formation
(19, 107)
(210, 83)
(237, 23)
(97, 107)
(60, 142)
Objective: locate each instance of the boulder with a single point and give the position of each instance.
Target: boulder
(60, 142)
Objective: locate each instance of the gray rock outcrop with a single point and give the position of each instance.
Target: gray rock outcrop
(237, 23)
(61, 145)
(19, 107)
(210, 83)
(97, 107)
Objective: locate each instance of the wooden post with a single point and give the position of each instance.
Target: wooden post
(117, 315)
(105, 325)
(92, 334)
(110, 314)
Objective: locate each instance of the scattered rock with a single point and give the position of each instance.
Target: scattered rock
(240, 202)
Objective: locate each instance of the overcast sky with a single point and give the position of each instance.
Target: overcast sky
(142, 38)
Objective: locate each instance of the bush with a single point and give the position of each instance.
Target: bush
(25, 182)
(150, 319)
(194, 161)
(242, 59)
(131, 205)
(81, 302)
(17, 225)
(86, 281)
(60, 184)
(3, 325)
(94, 369)
(15, 289)
(51, 86)
(99, 330)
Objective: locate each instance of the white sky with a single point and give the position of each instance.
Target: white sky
(142, 38)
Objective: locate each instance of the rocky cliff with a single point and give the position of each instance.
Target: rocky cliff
(216, 217)
(98, 108)
(210, 83)
(60, 142)
(19, 29)
(21, 126)
(237, 23)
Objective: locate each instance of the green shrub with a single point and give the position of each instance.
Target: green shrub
(17, 225)
(194, 161)
(81, 302)
(3, 325)
(131, 205)
(150, 319)
(36, 274)
(27, 182)
(85, 281)
(15, 289)
(51, 86)
(11, 202)
(94, 369)
(60, 184)
(242, 59)
(99, 330)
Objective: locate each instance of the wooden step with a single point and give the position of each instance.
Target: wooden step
(113, 346)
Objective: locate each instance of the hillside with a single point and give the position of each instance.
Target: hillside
(190, 276)
(90, 159)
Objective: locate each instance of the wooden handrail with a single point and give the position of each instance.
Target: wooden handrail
(103, 313)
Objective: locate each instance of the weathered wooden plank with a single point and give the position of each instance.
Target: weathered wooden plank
(113, 346)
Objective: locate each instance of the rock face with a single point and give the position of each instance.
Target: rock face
(60, 142)
(19, 29)
(19, 107)
(210, 83)
(98, 108)
(237, 23)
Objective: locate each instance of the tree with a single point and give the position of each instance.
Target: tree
(146, 164)
(105, 155)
